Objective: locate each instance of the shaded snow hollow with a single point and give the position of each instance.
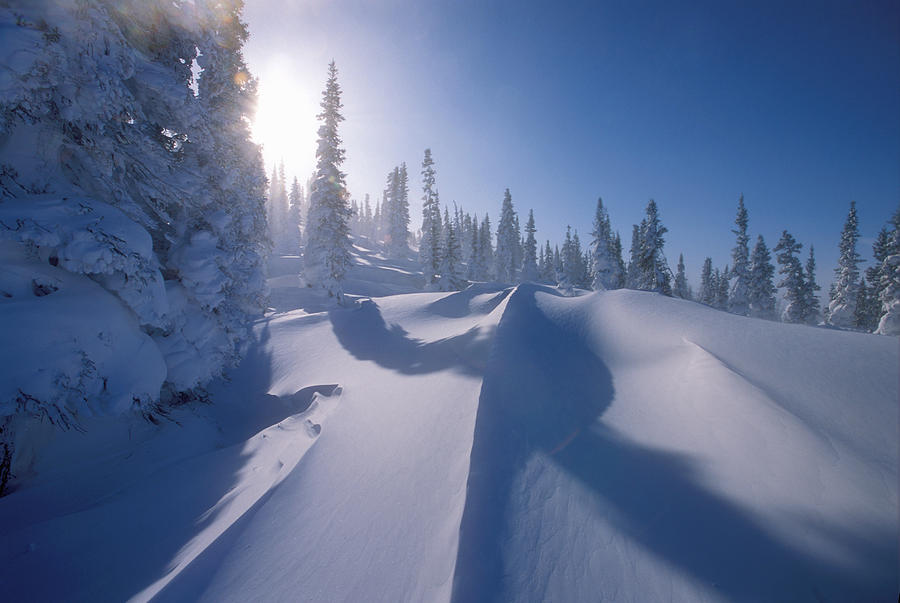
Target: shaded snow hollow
(494, 444)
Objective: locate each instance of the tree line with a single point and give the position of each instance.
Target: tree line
(455, 247)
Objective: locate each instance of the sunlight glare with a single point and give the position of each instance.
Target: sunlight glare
(285, 123)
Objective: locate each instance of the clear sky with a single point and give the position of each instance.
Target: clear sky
(794, 104)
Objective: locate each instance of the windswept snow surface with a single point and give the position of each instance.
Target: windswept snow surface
(491, 444)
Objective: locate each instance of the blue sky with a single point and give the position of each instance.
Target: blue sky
(795, 105)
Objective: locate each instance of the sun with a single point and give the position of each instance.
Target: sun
(285, 123)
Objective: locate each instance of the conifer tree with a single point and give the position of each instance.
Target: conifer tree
(474, 269)
(867, 311)
(842, 306)
(811, 304)
(398, 214)
(793, 280)
(548, 273)
(708, 286)
(879, 252)
(580, 272)
(633, 271)
(761, 290)
(603, 266)
(451, 277)
(681, 286)
(529, 262)
(654, 273)
(889, 290)
(722, 279)
(738, 299)
(486, 248)
(327, 254)
(618, 276)
(295, 215)
(507, 242)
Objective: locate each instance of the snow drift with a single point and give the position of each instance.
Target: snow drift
(487, 445)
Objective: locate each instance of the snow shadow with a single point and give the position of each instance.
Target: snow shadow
(363, 332)
(459, 304)
(543, 393)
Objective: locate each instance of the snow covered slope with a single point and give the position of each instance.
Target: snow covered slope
(631, 447)
(491, 444)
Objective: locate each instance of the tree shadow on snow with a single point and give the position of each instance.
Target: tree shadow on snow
(543, 394)
(363, 332)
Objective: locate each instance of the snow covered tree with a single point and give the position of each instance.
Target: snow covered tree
(654, 274)
(451, 259)
(579, 270)
(880, 253)
(633, 271)
(529, 262)
(889, 290)
(603, 264)
(506, 269)
(430, 246)
(619, 270)
(474, 269)
(548, 273)
(327, 254)
(842, 307)
(811, 303)
(398, 214)
(295, 214)
(793, 281)
(486, 248)
(139, 204)
(761, 289)
(708, 286)
(567, 276)
(681, 288)
(738, 299)
(722, 279)
(868, 308)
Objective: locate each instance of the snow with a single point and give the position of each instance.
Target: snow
(488, 444)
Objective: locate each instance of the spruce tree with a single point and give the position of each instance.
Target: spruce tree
(654, 273)
(486, 249)
(681, 285)
(811, 303)
(793, 280)
(618, 276)
(474, 270)
(842, 306)
(295, 215)
(738, 299)
(565, 276)
(761, 290)
(548, 273)
(633, 271)
(603, 268)
(722, 279)
(708, 286)
(327, 254)
(398, 215)
(879, 252)
(575, 265)
(867, 312)
(889, 290)
(507, 242)
(529, 261)
(451, 277)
